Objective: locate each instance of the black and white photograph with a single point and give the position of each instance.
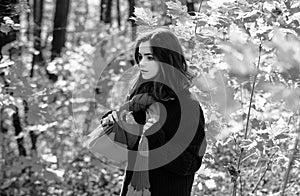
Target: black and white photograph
(149, 97)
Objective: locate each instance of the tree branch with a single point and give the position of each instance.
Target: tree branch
(292, 158)
(2, 160)
(248, 119)
(18, 130)
(267, 167)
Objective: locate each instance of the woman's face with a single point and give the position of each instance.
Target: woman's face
(149, 67)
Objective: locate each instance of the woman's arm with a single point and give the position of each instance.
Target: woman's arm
(191, 135)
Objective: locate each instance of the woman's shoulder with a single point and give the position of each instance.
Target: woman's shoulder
(189, 105)
(186, 96)
(184, 103)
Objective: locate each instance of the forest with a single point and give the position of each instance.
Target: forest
(63, 64)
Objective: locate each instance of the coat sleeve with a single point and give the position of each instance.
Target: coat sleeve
(122, 136)
(189, 160)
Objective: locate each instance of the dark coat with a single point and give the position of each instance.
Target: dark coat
(182, 122)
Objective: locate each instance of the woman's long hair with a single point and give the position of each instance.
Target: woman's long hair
(173, 74)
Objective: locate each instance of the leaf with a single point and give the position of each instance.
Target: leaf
(260, 146)
(36, 113)
(6, 63)
(214, 4)
(234, 172)
(179, 12)
(5, 18)
(50, 175)
(8, 182)
(10, 110)
(9, 22)
(281, 136)
(37, 168)
(251, 16)
(250, 146)
(287, 47)
(264, 30)
(42, 128)
(232, 127)
(268, 6)
(176, 7)
(236, 35)
(240, 57)
(17, 167)
(144, 16)
(16, 27)
(280, 92)
(218, 92)
(255, 123)
(4, 28)
(120, 90)
(210, 184)
(213, 130)
(49, 158)
(59, 173)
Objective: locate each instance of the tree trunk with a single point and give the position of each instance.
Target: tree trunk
(107, 13)
(118, 14)
(80, 20)
(32, 134)
(18, 131)
(2, 146)
(190, 7)
(59, 27)
(7, 9)
(102, 4)
(133, 25)
(28, 18)
(37, 29)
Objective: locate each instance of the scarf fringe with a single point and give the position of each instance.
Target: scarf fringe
(132, 192)
(139, 185)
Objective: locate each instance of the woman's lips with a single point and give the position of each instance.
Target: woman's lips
(144, 71)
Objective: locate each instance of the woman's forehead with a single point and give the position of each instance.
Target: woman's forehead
(145, 48)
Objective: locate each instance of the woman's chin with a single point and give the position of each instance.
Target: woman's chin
(146, 78)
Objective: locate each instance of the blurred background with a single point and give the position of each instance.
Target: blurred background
(65, 63)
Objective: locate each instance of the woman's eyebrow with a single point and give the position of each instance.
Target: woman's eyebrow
(147, 54)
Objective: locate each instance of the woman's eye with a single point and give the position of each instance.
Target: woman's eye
(150, 58)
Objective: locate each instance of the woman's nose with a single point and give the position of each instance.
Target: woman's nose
(142, 62)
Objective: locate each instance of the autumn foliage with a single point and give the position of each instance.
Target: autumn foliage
(246, 59)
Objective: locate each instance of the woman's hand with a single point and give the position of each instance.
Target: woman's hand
(127, 117)
(113, 117)
(110, 119)
(124, 119)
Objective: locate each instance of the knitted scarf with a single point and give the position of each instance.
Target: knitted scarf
(140, 185)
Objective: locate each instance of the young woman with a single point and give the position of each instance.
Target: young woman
(162, 158)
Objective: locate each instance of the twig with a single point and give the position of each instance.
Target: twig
(248, 119)
(267, 167)
(89, 116)
(292, 158)
(252, 92)
(200, 5)
(199, 12)
(290, 119)
(1, 148)
(241, 186)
